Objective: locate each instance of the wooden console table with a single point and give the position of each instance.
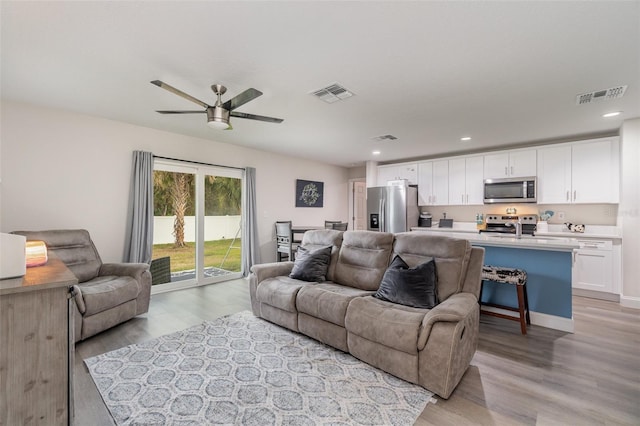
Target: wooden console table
(36, 346)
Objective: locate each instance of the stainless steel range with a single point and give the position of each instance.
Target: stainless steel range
(506, 224)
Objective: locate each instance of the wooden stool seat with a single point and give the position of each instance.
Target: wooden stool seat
(513, 276)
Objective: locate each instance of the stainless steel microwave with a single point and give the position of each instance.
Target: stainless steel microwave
(510, 190)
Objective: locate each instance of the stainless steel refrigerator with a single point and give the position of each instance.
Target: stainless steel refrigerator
(392, 208)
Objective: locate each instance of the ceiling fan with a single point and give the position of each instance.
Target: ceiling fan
(218, 114)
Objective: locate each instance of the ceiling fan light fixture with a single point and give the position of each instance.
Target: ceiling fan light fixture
(218, 118)
(218, 125)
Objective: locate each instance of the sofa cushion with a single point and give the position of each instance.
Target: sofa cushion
(451, 255)
(321, 238)
(392, 325)
(280, 292)
(363, 258)
(311, 264)
(409, 286)
(327, 301)
(106, 292)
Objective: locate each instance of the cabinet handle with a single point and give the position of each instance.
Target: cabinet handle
(567, 195)
(574, 195)
(429, 199)
(506, 172)
(511, 170)
(467, 199)
(462, 198)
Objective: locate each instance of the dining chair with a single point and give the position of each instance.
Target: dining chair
(328, 224)
(340, 226)
(284, 241)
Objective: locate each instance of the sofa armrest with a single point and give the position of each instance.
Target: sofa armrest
(269, 270)
(455, 309)
(76, 292)
(262, 272)
(134, 270)
(138, 271)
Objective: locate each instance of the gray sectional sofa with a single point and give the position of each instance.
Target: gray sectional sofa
(429, 347)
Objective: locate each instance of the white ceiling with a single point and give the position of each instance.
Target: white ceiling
(504, 73)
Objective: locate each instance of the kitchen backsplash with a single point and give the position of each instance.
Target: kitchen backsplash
(588, 214)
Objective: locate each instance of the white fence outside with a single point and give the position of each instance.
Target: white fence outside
(215, 228)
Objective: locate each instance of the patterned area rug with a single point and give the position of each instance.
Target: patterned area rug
(242, 370)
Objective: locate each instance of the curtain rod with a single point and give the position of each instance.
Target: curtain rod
(198, 162)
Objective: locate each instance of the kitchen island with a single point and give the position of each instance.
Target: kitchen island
(548, 262)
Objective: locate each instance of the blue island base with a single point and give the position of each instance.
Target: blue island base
(548, 284)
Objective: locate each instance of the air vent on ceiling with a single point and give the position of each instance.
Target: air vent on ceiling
(332, 93)
(384, 138)
(611, 93)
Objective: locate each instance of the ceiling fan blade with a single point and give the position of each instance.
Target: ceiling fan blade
(181, 112)
(241, 99)
(180, 93)
(256, 117)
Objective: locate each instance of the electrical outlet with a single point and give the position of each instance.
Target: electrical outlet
(561, 215)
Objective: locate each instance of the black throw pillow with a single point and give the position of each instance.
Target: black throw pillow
(416, 287)
(311, 265)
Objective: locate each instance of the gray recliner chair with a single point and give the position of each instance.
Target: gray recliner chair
(107, 294)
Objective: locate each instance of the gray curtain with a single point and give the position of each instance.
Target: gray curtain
(139, 238)
(251, 248)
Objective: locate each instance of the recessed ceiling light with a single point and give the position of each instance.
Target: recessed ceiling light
(611, 114)
(466, 138)
(376, 152)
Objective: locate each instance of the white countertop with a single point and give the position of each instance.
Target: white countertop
(555, 230)
(526, 242)
(554, 240)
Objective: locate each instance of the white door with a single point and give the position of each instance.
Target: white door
(359, 206)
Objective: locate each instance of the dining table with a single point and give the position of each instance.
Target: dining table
(301, 229)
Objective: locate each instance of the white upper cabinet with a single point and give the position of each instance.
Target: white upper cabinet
(506, 164)
(554, 175)
(465, 181)
(433, 183)
(580, 173)
(595, 172)
(408, 171)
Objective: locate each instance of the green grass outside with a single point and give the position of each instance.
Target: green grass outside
(183, 259)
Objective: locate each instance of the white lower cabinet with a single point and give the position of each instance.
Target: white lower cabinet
(593, 267)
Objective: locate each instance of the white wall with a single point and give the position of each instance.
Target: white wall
(629, 213)
(60, 169)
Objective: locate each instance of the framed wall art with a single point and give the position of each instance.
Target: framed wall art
(309, 193)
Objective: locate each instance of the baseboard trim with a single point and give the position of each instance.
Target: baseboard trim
(538, 318)
(611, 297)
(630, 301)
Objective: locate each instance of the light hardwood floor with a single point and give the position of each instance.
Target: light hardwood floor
(548, 377)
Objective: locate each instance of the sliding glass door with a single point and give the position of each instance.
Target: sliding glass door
(197, 219)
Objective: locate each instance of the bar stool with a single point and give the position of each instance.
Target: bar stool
(513, 276)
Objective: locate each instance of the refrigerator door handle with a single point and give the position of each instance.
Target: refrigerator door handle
(381, 215)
